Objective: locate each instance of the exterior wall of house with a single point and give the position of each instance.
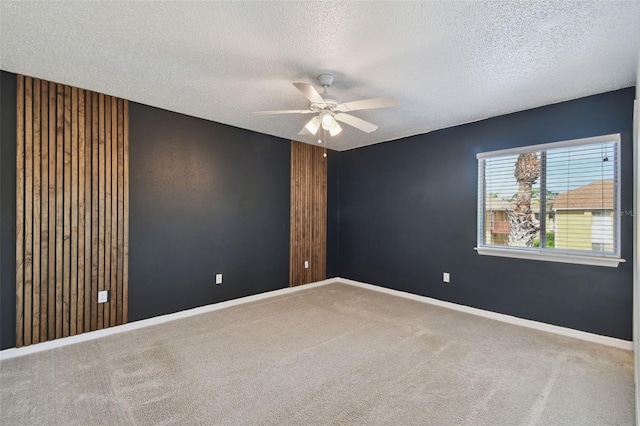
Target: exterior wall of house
(573, 229)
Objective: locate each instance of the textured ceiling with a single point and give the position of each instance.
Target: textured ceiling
(447, 63)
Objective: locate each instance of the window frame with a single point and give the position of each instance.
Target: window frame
(547, 254)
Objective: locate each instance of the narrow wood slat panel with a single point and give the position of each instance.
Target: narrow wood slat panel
(20, 219)
(308, 214)
(101, 199)
(107, 210)
(66, 216)
(44, 204)
(87, 211)
(72, 207)
(94, 211)
(123, 105)
(51, 297)
(114, 299)
(28, 211)
(59, 207)
(81, 212)
(35, 332)
(73, 298)
(119, 272)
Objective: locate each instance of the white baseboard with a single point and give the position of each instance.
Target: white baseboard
(44, 346)
(577, 334)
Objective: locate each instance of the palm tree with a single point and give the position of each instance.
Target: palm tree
(523, 225)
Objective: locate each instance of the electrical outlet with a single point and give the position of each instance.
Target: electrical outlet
(103, 296)
(306, 264)
(446, 277)
(218, 278)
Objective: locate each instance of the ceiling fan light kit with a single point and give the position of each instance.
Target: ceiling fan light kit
(330, 109)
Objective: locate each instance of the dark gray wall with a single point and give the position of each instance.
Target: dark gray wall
(205, 198)
(408, 214)
(8, 84)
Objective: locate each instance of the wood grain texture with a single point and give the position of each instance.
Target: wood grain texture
(87, 212)
(113, 302)
(28, 208)
(308, 229)
(66, 216)
(44, 204)
(71, 210)
(101, 201)
(20, 201)
(94, 211)
(107, 210)
(35, 334)
(59, 197)
(80, 255)
(51, 297)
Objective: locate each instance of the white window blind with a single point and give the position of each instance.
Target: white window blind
(557, 202)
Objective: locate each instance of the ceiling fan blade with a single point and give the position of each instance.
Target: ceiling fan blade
(310, 92)
(335, 129)
(290, 111)
(311, 127)
(356, 122)
(368, 104)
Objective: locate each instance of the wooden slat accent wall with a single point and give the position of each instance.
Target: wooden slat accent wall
(308, 233)
(72, 210)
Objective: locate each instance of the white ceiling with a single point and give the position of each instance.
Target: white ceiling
(447, 63)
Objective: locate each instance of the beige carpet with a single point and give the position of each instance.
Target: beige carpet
(335, 354)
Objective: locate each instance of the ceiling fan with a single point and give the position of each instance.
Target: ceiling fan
(329, 109)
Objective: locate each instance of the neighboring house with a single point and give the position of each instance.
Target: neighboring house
(496, 219)
(584, 217)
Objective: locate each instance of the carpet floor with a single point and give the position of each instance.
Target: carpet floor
(334, 354)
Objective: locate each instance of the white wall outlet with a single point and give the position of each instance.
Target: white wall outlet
(306, 264)
(218, 278)
(445, 277)
(103, 296)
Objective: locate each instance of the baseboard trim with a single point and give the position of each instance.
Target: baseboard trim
(52, 344)
(91, 335)
(577, 334)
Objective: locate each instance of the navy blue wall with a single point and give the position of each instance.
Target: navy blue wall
(205, 198)
(8, 84)
(408, 214)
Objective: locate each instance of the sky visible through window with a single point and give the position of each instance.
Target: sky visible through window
(567, 168)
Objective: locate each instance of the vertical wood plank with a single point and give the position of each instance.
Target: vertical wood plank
(80, 124)
(35, 333)
(51, 297)
(114, 213)
(73, 298)
(28, 212)
(107, 210)
(44, 205)
(20, 202)
(87, 212)
(123, 105)
(119, 272)
(94, 211)
(101, 200)
(59, 207)
(66, 216)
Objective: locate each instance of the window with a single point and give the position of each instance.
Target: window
(558, 202)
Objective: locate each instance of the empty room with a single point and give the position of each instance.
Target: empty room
(323, 212)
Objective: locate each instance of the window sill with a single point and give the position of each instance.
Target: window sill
(611, 262)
